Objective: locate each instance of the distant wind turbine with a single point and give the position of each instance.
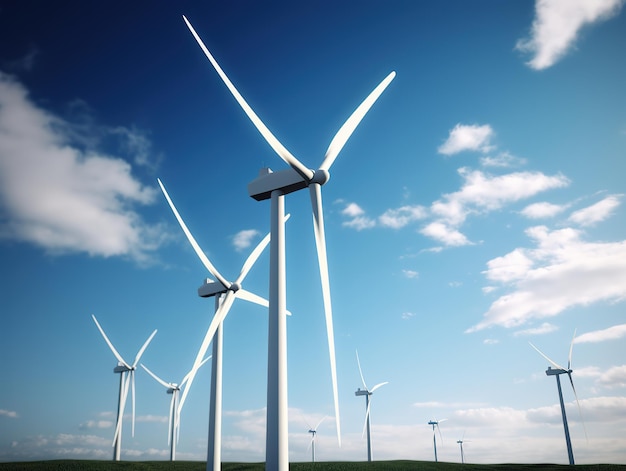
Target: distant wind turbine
(435, 423)
(274, 186)
(225, 293)
(173, 428)
(557, 371)
(313, 432)
(460, 442)
(127, 377)
(368, 404)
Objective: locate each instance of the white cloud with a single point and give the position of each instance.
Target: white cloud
(8, 413)
(557, 25)
(597, 212)
(565, 272)
(358, 220)
(465, 137)
(410, 274)
(445, 234)
(510, 267)
(400, 217)
(503, 159)
(243, 239)
(542, 210)
(612, 333)
(408, 315)
(544, 328)
(491, 341)
(63, 196)
(352, 210)
(614, 377)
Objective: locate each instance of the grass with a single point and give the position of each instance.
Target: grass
(93, 465)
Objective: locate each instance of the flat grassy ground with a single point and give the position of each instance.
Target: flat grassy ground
(88, 465)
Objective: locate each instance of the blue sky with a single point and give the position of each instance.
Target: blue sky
(478, 206)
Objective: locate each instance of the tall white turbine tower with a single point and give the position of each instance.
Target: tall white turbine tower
(557, 371)
(435, 423)
(173, 429)
(225, 293)
(460, 442)
(274, 186)
(127, 377)
(368, 404)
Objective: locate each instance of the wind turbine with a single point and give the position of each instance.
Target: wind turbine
(225, 293)
(174, 417)
(557, 371)
(127, 377)
(368, 404)
(313, 432)
(435, 423)
(460, 442)
(274, 186)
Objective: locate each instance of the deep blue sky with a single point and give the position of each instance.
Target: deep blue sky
(478, 206)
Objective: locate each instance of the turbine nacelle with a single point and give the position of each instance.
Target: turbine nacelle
(362, 392)
(122, 369)
(212, 288)
(557, 371)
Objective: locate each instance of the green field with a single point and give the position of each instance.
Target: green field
(89, 465)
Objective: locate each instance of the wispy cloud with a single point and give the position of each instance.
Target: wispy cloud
(61, 195)
(612, 333)
(562, 271)
(467, 137)
(542, 210)
(557, 25)
(243, 239)
(8, 413)
(597, 212)
(502, 159)
(410, 274)
(544, 328)
(400, 217)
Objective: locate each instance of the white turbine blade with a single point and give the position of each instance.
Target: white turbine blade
(378, 386)
(319, 423)
(360, 372)
(115, 352)
(274, 143)
(543, 355)
(120, 416)
(253, 298)
(320, 242)
(353, 121)
(569, 357)
(367, 414)
(580, 411)
(159, 380)
(439, 430)
(143, 348)
(201, 255)
(252, 258)
(186, 377)
(217, 320)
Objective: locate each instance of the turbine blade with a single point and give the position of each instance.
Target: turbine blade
(253, 298)
(543, 355)
(274, 143)
(353, 121)
(201, 255)
(320, 242)
(115, 352)
(219, 316)
(159, 380)
(120, 415)
(580, 411)
(143, 348)
(186, 377)
(252, 258)
(378, 386)
(360, 372)
(439, 430)
(320, 422)
(569, 357)
(367, 414)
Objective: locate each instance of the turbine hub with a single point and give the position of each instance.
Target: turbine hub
(235, 287)
(320, 176)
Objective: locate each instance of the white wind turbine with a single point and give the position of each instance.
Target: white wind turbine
(127, 377)
(173, 428)
(225, 293)
(368, 404)
(313, 432)
(460, 442)
(557, 371)
(274, 186)
(435, 423)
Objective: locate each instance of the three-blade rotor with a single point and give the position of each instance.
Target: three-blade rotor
(127, 381)
(314, 179)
